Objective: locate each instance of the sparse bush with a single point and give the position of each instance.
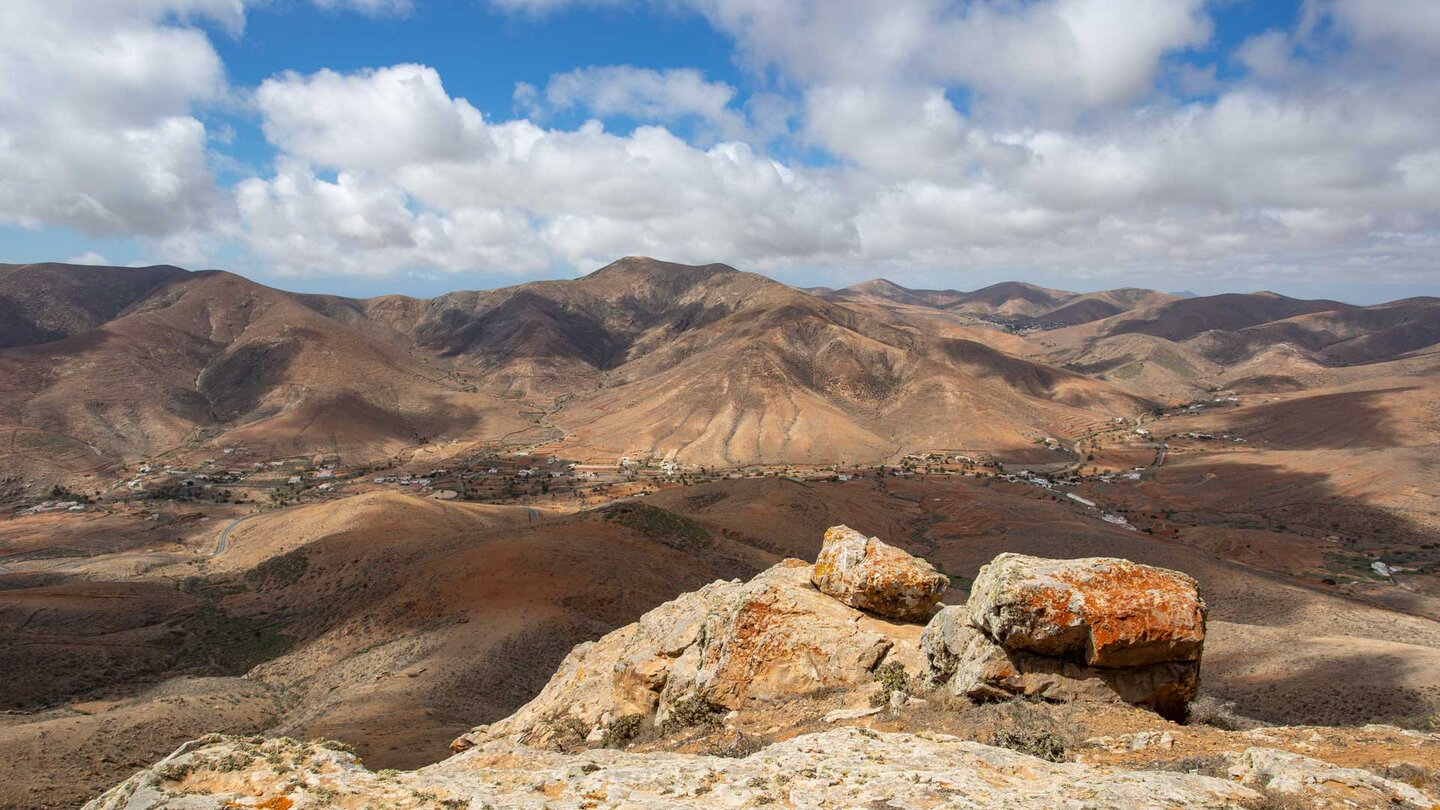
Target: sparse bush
(1211, 711)
(893, 679)
(738, 746)
(1031, 729)
(1036, 743)
(1214, 765)
(1275, 800)
(570, 733)
(1411, 774)
(621, 731)
(691, 710)
(336, 745)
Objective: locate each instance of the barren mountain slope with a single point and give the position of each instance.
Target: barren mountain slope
(1188, 317)
(214, 351)
(1087, 307)
(887, 290)
(790, 378)
(438, 611)
(44, 302)
(1342, 337)
(450, 614)
(1011, 300)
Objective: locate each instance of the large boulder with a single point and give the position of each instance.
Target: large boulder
(973, 665)
(1102, 611)
(725, 646)
(866, 573)
(1098, 629)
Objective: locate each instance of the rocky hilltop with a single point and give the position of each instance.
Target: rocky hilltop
(1058, 684)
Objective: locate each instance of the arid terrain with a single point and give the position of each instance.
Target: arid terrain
(228, 508)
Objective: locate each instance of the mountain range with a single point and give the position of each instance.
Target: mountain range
(702, 365)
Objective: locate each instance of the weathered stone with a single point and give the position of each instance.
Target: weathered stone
(1099, 611)
(730, 644)
(866, 573)
(969, 663)
(839, 768)
(1323, 784)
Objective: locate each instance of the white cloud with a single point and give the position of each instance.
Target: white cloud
(374, 8)
(1411, 26)
(96, 130)
(1031, 136)
(665, 96)
(361, 225)
(415, 161)
(374, 119)
(88, 257)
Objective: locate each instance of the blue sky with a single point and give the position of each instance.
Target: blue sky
(378, 146)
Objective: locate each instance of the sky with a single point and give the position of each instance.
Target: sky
(365, 147)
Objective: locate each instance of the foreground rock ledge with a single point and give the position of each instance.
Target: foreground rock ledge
(723, 647)
(869, 574)
(844, 768)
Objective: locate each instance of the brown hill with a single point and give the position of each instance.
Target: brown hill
(1189, 317)
(44, 302)
(1341, 337)
(1011, 299)
(214, 352)
(702, 364)
(786, 377)
(890, 291)
(1015, 303)
(705, 364)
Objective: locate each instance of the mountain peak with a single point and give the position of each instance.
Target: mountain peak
(645, 265)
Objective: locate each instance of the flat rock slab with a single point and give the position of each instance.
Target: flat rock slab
(834, 770)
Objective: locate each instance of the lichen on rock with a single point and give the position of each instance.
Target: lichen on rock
(869, 574)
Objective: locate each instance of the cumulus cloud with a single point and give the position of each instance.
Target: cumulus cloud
(373, 119)
(663, 96)
(375, 8)
(403, 146)
(100, 122)
(96, 124)
(1034, 137)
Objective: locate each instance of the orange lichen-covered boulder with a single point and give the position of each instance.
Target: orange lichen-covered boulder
(866, 573)
(969, 663)
(1098, 611)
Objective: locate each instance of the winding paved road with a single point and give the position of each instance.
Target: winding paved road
(224, 542)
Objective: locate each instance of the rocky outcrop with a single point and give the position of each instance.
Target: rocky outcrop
(840, 768)
(1322, 784)
(866, 573)
(1103, 611)
(754, 646)
(725, 646)
(1096, 629)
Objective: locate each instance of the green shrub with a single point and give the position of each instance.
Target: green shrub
(1031, 729)
(691, 710)
(621, 731)
(892, 679)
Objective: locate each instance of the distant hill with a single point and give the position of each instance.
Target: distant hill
(44, 302)
(703, 364)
